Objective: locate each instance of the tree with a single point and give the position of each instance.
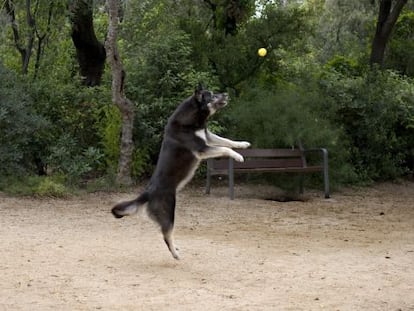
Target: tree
(401, 46)
(342, 27)
(229, 14)
(389, 11)
(29, 37)
(89, 51)
(126, 107)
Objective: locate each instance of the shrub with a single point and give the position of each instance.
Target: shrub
(50, 188)
(285, 118)
(345, 65)
(67, 158)
(109, 129)
(19, 124)
(376, 111)
(34, 186)
(399, 55)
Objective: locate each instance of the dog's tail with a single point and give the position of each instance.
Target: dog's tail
(127, 208)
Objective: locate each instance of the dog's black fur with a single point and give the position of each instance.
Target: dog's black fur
(186, 142)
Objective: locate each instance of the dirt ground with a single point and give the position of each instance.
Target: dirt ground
(354, 251)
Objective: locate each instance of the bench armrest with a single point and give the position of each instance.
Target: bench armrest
(323, 152)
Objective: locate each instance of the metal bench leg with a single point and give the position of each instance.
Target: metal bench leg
(301, 181)
(208, 181)
(326, 183)
(231, 179)
(326, 173)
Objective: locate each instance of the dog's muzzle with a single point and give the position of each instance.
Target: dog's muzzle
(220, 100)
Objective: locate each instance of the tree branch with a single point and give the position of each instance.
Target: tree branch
(9, 5)
(387, 17)
(41, 37)
(25, 51)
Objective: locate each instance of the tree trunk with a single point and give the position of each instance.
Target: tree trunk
(387, 18)
(126, 107)
(89, 51)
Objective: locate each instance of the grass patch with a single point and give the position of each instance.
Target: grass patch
(41, 186)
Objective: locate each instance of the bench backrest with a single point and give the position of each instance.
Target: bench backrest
(263, 158)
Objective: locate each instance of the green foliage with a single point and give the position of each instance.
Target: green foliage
(34, 35)
(235, 59)
(376, 112)
(284, 115)
(67, 158)
(287, 117)
(345, 28)
(345, 65)
(141, 161)
(105, 183)
(78, 136)
(49, 188)
(109, 127)
(399, 55)
(40, 186)
(19, 124)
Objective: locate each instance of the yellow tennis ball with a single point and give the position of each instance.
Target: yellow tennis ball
(262, 52)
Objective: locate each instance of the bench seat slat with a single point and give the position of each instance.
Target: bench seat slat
(270, 153)
(258, 163)
(265, 163)
(269, 170)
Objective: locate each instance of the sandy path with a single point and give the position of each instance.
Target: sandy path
(352, 252)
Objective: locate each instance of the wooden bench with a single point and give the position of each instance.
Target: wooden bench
(273, 161)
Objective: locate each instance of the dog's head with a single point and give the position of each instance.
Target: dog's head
(209, 100)
(195, 110)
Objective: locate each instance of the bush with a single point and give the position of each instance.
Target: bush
(109, 129)
(19, 125)
(399, 55)
(50, 188)
(67, 158)
(34, 186)
(77, 138)
(376, 111)
(285, 118)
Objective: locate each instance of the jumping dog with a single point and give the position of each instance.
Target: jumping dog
(186, 142)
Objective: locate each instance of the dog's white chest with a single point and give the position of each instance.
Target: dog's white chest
(189, 176)
(201, 134)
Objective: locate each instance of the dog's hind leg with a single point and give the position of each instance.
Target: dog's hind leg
(162, 209)
(168, 239)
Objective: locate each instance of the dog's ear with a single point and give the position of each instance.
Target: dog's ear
(200, 87)
(198, 92)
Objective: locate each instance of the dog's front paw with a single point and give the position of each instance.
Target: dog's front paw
(238, 157)
(243, 144)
